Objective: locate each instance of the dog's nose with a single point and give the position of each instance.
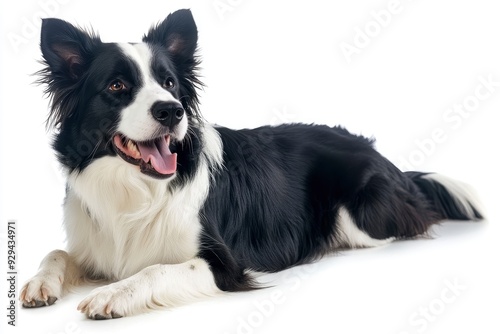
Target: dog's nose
(167, 113)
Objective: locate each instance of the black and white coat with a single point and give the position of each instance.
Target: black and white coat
(216, 203)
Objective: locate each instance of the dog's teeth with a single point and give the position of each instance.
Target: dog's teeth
(133, 148)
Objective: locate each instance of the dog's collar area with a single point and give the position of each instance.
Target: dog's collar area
(153, 157)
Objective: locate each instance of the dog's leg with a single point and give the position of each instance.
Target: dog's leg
(57, 271)
(385, 208)
(153, 287)
(349, 235)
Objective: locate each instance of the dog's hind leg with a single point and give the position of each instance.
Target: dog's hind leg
(57, 271)
(406, 205)
(391, 208)
(347, 233)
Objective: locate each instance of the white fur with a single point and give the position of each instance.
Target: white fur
(349, 235)
(461, 192)
(212, 146)
(137, 122)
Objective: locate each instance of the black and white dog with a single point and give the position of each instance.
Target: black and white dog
(169, 208)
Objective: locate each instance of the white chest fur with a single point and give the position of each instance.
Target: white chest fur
(119, 222)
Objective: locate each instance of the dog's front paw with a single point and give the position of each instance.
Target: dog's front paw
(41, 290)
(108, 302)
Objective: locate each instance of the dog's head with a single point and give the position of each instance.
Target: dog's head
(134, 100)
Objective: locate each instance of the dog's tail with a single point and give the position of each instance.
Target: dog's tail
(449, 198)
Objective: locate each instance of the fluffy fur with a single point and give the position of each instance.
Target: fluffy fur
(170, 208)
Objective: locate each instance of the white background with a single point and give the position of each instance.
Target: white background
(282, 62)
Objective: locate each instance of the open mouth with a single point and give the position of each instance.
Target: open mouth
(153, 157)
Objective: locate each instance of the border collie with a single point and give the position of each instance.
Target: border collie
(168, 208)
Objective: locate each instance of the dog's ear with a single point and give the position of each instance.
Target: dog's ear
(177, 33)
(66, 49)
(178, 36)
(67, 52)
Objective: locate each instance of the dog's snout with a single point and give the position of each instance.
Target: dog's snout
(167, 113)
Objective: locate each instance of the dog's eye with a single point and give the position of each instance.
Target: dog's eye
(117, 86)
(168, 83)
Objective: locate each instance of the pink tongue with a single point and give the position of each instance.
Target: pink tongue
(162, 160)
